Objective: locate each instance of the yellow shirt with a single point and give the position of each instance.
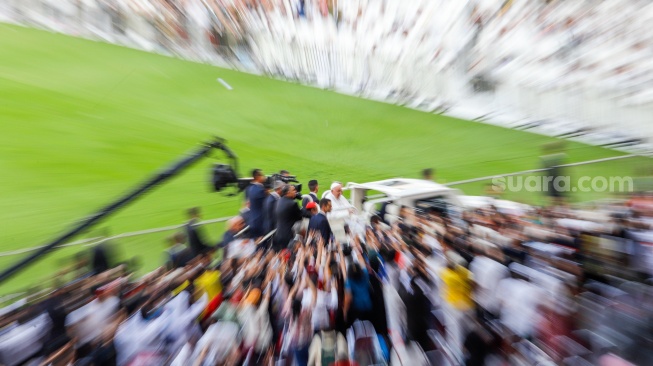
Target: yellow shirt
(209, 282)
(180, 288)
(457, 289)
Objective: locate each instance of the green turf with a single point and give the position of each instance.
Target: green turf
(82, 122)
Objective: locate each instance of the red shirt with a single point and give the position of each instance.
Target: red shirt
(212, 306)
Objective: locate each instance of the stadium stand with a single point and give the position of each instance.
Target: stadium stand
(555, 67)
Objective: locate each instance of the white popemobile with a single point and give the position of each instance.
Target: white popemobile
(419, 194)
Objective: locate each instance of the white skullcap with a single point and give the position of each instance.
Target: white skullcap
(335, 184)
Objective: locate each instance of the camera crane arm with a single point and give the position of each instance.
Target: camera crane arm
(126, 199)
(219, 143)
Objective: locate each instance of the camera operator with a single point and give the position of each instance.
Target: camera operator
(270, 206)
(255, 194)
(288, 213)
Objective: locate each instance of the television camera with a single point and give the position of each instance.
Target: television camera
(224, 175)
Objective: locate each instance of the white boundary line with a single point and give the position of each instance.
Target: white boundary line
(97, 240)
(155, 230)
(8, 297)
(541, 169)
(27, 250)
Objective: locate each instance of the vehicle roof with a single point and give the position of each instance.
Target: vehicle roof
(402, 187)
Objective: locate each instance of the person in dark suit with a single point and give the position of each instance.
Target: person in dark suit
(310, 197)
(101, 258)
(194, 235)
(288, 213)
(270, 207)
(320, 223)
(255, 193)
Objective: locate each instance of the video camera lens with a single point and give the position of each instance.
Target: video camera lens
(222, 175)
(287, 178)
(298, 188)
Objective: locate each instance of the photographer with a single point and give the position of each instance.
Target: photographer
(270, 206)
(288, 213)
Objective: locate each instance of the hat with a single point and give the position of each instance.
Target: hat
(311, 205)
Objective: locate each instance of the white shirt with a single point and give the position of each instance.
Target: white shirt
(20, 342)
(136, 335)
(487, 274)
(173, 327)
(92, 319)
(221, 338)
(325, 301)
(519, 305)
(432, 242)
(256, 330)
(241, 248)
(181, 324)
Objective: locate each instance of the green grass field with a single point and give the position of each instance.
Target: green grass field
(81, 122)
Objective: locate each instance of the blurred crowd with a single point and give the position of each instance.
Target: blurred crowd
(388, 47)
(296, 280)
(575, 45)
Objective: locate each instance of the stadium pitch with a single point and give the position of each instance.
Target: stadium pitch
(82, 122)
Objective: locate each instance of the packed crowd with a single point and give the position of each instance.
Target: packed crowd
(380, 44)
(296, 285)
(578, 46)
